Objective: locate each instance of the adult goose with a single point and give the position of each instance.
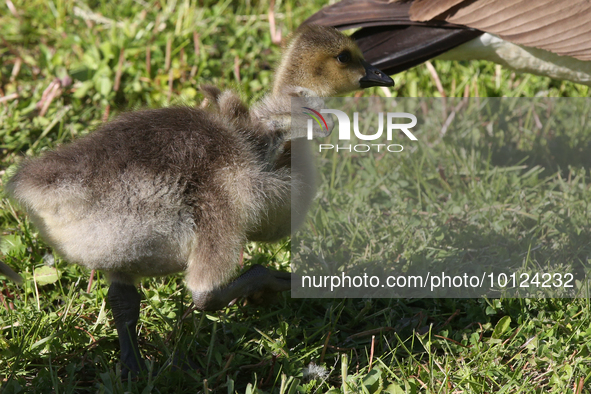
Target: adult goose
(544, 37)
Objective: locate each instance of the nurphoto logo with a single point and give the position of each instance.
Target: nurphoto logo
(317, 117)
(344, 128)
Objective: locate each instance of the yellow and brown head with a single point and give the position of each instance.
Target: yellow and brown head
(327, 62)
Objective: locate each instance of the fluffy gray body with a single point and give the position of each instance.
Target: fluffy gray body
(159, 191)
(181, 189)
(156, 192)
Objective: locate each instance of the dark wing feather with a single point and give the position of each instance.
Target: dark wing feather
(398, 48)
(348, 14)
(389, 39)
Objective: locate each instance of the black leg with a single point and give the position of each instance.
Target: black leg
(125, 303)
(257, 283)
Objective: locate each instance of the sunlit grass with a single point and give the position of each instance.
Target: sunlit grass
(66, 66)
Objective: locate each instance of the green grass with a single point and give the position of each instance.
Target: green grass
(57, 337)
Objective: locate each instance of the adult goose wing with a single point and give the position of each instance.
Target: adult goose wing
(389, 39)
(544, 37)
(559, 26)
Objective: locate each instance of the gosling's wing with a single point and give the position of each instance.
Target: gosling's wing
(559, 26)
(389, 39)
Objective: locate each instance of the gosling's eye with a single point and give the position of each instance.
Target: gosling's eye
(344, 57)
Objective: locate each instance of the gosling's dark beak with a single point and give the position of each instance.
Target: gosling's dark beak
(374, 77)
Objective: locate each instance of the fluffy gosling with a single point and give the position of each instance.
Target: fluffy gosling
(181, 189)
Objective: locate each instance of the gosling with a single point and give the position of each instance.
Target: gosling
(161, 191)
